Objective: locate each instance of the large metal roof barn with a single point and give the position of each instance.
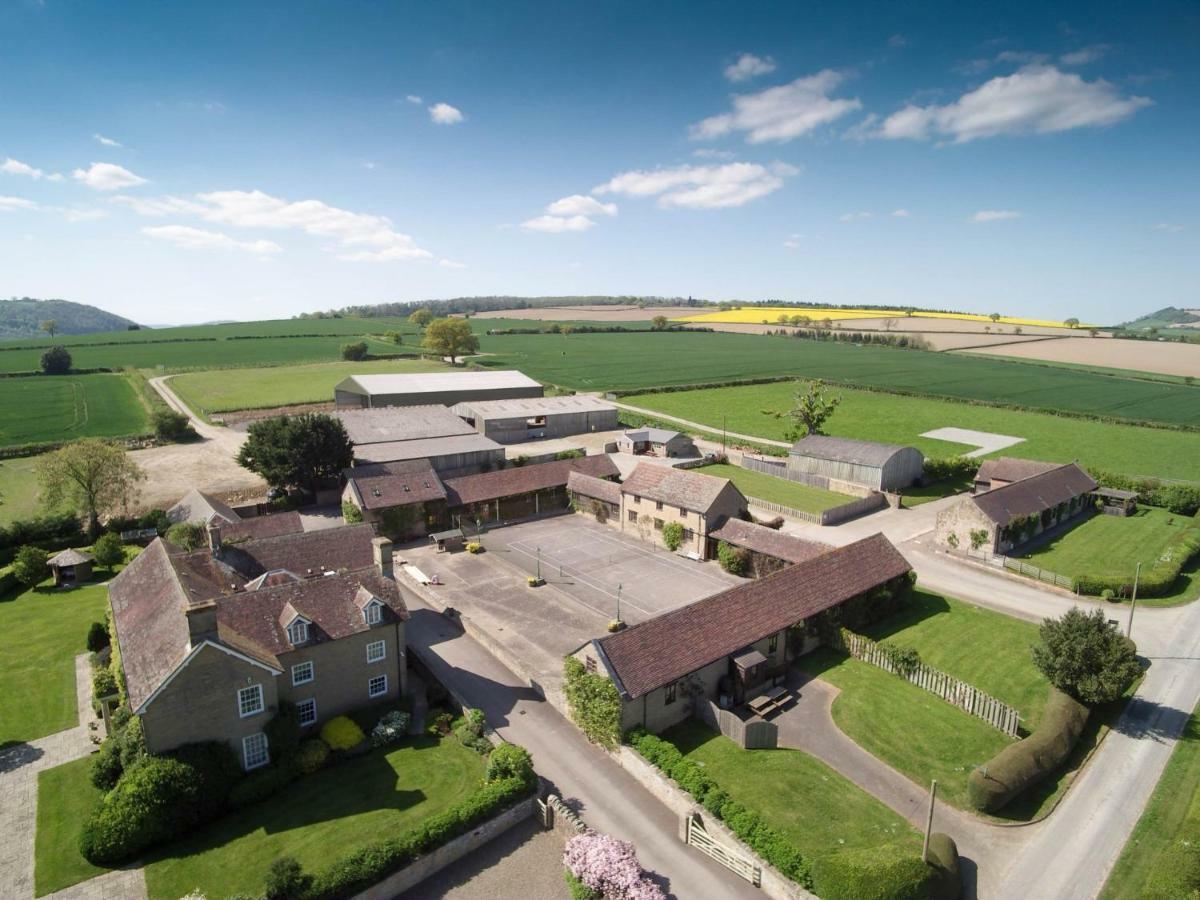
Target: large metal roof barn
(514, 421)
(881, 467)
(424, 388)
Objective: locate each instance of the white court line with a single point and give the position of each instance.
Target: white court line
(579, 576)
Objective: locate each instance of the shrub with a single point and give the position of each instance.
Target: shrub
(263, 783)
(474, 546)
(510, 761)
(391, 727)
(442, 723)
(355, 351)
(578, 890)
(904, 659)
(283, 732)
(1084, 655)
(30, 567)
(952, 468)
(943, 857)
(351, 513)
(594, 703)
(97, 637)
(187, 535)
(470, 731)
(672, 535)
(733, 560)
(872, 874)
(56, 361)
(104, 682)
(342, 734)
(170, 425)
(609, 866)
(218, 770)
(109, 550)
(286, 880)
(106, 766)
(312, 755)
(1019, 766)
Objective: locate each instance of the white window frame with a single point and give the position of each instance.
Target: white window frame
(373, 613)
(382, 647)
(302, 630)
(371, 692)
(300, 705)
(246, 748)
(243, 713)
(312, 673)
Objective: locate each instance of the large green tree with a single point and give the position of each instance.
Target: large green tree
(297, 451)
(450, 337)
(91, 475)
(813, 408)
(56, 361)
(1084, 655)
(421, 317)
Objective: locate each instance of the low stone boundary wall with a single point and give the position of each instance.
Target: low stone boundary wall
(449, 853)
(562, 819)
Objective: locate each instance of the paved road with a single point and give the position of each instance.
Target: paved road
(607, 797)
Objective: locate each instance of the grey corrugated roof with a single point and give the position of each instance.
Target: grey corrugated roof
(1035, 494)
(425, 449)
(400, 423)
(675, 487)
(532, 406)
(653, 435)
(436, 382)
(839, 449)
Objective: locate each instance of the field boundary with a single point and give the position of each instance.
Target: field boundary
(835, 515)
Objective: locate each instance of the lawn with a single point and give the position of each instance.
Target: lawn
(18, 489)
(1111, 545)
(223, 390)
(897, 419)
(66, 797)
(1168, 831)
(927, 493)
(42, 408)
(41, 632)
(319, 819)
(778, 490)
(818, 810)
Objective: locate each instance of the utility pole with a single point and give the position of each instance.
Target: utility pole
(539, 563)
(1137, 575)
(929, 821)
(723, 450)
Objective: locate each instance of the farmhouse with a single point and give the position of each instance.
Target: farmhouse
(515, 421)
(520, 492)
(212, 641)
(880, 467)
(71, 567)
(1003, 518)
(726, 647)
(442, 388)
(654, 495)
(401, 499)
(206, 509)
(656, 442)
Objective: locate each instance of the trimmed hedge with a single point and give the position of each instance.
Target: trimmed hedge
(1156, 580)
(1020, 766)
(1180, 498)
(943, 857)
(873, 874)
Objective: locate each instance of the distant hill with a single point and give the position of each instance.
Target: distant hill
(488, 304)
(23, 317)
(1168, 317)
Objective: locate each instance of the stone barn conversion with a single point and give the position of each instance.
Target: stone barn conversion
(879, 467)
(725, 649)
(424, 388)
(654, 495)
(520, 492)
(401, 499)
(515, 421)
(206, 509)
(1004, 518)
(769, 550)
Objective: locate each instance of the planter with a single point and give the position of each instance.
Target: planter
(533, 581)
(616, 625)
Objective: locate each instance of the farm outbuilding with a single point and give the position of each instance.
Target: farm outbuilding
(656, 442)
(516, 421)
(424, 388)
(880, 467)
(400, 423)
(452, 454)
(71, 567)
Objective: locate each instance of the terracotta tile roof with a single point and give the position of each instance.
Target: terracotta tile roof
(768, 541)
(347, 548)
(257, 527)
(1033, 495)
(70, 557)
(666, 648)
(385, 485)
(675, 487)
(591, 486)
(515, 480)
(1007, 468)
(849, 450)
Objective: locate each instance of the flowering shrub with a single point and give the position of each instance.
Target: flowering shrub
(474, 546)
(341, 733)
(391, 728)
(609, 866)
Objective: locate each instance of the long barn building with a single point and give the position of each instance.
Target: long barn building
(426, 388)
(880, 467)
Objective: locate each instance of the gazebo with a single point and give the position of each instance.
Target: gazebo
(71, 567)
(1116, 502)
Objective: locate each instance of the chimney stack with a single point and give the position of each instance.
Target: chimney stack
(214, 538)
(381, 549)
(201, 621)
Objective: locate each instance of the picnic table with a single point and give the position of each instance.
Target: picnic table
(769, 700)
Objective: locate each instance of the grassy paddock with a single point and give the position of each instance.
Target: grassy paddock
(66, 797)
(816, 808)
(41, 409)
(778, 490)
(18, 489)
(224, 390)
(885, 417)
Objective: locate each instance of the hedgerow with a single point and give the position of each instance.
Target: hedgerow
(1157, 579)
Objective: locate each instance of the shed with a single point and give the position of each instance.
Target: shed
(424, 388)
(656, 442)
(71, 567)
(515, 421)
(880, 467)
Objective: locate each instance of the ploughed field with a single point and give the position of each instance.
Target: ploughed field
(1166, 358)
(44, 408)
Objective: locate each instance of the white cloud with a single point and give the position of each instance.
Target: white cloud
(16, 167)
(899, 213)
(749, 66)
(414, 99)
(1168, 227)
(581, 205)
(701, 187)
(72, 214)
(1036, 99)
(994, 215)
(793, 241)
(107, 141)
(370, 165)
(7, 204)
(107, 177)
(365, 237)
(1084, 55)
(451, 264)
(712, 153)
(897, 41)
(199, 239)
(445, 114)
(781, 113)
(558, 224)
(855, 216)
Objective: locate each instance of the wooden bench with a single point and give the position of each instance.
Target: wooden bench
(770, 700)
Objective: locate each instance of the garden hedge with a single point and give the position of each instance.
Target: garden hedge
(873, 874)
(943, 857)
(1157, 579)
(1020, 766)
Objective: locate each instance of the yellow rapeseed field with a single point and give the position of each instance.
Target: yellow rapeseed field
(756, 314)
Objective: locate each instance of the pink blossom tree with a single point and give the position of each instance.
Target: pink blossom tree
(609, 866)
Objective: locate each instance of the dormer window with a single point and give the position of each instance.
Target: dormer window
(373, 612)
(297, 632)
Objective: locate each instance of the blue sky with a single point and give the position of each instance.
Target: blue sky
(180, 163)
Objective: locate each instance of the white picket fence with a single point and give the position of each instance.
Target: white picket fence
(959, 693)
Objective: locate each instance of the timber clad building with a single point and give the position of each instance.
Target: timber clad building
(441, 388)
(880, 467)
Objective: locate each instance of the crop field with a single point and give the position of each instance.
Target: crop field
(816, 314)
(225, 390)
(41, 409)
(18, 489)
(890, 418)
(631, 361)
(1167, 358)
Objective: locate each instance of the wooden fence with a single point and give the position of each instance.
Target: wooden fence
(727, 856)
(755, 734)
(966, 697)
(1000, 561)
(831, 516)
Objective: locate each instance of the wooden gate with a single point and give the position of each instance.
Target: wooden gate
(700, 839)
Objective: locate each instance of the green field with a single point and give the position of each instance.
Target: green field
(817, 809)
(778, 490)
(18, 489)
(1161, 852)
(223, 390)
(43, 408)
(631, 361)
(887, 417)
